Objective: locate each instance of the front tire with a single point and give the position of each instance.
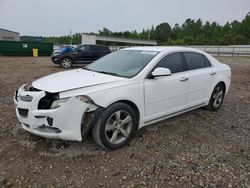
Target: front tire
(217, 97)
(66, 62)
(115, 126)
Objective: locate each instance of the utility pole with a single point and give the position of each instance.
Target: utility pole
(70, 33)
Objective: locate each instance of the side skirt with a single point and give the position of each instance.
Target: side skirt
(173, 114)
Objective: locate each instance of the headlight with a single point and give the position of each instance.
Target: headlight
(58, 103)
(27, 87)
(55, 55)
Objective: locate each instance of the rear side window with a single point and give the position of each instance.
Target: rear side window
(173, 62)
(207, 62)
(94, 48)
(104, 48)
(195, 60)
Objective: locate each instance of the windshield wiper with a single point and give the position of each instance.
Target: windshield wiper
(110, 73)
(85, 68)
(103, 72)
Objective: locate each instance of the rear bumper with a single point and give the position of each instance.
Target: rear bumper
(60, 123)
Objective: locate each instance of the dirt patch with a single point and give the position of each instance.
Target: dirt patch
(199, 148)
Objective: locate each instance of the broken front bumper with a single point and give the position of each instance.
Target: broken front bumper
(63, 122)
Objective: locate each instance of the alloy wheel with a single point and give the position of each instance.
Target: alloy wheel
(217, 96)
(66, 63)
(118, 127)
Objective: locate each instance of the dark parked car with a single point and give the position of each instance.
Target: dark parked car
(82, 54)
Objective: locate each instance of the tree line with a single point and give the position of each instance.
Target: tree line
(191, 32)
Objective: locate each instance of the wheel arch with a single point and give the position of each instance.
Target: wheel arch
(211, 106)
(133, 106)
(223, 84)
(220, 79)
(215, 84)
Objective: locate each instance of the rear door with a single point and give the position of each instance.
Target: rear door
(99, 51)
(200, 75)
(95, 52)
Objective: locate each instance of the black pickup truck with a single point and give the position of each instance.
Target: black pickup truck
(84, 54)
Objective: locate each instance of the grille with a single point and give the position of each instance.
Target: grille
(16, 95)
(23, 112)
(48, 129)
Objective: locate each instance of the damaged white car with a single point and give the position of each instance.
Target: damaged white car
(121, 92)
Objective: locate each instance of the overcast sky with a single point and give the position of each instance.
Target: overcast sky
(57, 17)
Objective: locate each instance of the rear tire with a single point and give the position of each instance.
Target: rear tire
(115, 126)
(216, 98)
(66, 62)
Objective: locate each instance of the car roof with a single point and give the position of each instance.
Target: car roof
(93, 45)
(163, 48)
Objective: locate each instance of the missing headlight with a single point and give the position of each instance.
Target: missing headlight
(47, 100)
(29, 87)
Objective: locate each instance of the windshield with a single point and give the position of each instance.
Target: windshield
(124, 63)
(77, 47)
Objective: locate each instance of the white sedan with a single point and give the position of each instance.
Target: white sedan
(121, 92)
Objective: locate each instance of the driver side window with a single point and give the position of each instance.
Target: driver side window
(84, 48)
(173, 62)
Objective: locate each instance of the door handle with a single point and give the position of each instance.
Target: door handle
(183, 79)
(212, 73)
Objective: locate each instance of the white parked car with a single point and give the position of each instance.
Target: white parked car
(121, 92)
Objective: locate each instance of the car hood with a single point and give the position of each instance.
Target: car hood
(57, 52)
(73, 79)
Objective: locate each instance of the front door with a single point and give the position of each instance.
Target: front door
(167, 94)
(83, 54)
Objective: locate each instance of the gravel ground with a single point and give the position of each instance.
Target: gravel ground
(197, 149)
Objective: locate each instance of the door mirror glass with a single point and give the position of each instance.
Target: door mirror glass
(160, 71)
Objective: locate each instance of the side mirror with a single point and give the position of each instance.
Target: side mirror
(160, 71)
(78, 50)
